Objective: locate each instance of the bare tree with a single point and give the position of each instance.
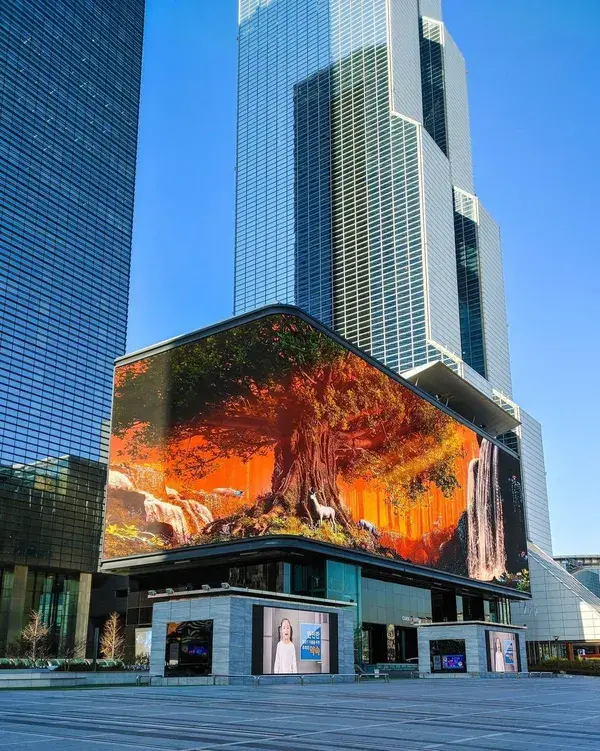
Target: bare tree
(112, 640)
(35, 635)
(71, 654)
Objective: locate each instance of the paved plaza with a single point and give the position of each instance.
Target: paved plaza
(531, 714)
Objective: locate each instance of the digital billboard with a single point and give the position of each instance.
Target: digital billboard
(274, 427)
(503, 652)
(289, 641)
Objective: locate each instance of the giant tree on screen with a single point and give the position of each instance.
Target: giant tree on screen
(273, 427)
(279, 384)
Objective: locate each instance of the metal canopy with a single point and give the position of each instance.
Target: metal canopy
(461, 397)
(254, 549)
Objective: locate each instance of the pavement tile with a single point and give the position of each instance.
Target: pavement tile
(425, 715)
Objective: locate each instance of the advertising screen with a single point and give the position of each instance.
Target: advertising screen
(293, 641)
(453, 662)
(273, 427)
(448, 656)
(503, 652)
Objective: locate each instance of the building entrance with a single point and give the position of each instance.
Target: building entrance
(389, 643)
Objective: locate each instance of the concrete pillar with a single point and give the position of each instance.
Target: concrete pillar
(16, 609)
(83, 613)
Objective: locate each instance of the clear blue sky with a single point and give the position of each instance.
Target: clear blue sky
(535, 112)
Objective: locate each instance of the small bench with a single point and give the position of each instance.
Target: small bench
(363, 674)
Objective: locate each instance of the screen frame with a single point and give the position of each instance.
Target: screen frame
(489, 646)
(441, 653)
(258, 620)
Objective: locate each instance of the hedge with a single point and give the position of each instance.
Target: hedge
(574, 667)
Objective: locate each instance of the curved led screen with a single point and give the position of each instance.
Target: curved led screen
(273, 427)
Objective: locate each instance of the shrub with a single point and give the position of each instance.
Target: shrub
(62, 664)
(83, 666)
(142, 662)
(578, 667)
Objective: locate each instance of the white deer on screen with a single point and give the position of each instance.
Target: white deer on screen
(324, 512)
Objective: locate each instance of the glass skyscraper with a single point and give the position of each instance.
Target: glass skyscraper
(356, 201)
(69, 96)
(354, 181)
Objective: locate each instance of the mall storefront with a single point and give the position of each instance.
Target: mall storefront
(390, 599)
(232, 632)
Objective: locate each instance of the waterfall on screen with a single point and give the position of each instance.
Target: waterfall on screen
(486, 552)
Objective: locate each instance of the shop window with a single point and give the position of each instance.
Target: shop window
(143, 642)
(189, 648)
(448, 656)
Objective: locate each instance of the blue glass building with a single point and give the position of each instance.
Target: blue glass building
(69, 96)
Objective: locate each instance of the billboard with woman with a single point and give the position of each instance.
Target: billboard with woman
(503, 652)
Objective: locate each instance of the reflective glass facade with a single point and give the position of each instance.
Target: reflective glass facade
(69, 95)
(328, 181)
(468, 279)
(432, 77)
(388, 602)
(586, 569)
(379, 300)
(353, 158)
(344, 203)
(283, 47)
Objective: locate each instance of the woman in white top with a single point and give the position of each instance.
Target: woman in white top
(285, 657)
(499, 666)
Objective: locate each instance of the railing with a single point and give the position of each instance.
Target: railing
(243, 676)
(385, 676)
(354, 676)
(302, 679)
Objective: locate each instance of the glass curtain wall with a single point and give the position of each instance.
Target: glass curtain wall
(69, 95)
(328, 186)
(469, 280)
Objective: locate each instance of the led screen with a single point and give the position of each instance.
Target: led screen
(293, 641)
(273, 427)
(188, 649)
(503, 652)
(453, 662)
(448, 656)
